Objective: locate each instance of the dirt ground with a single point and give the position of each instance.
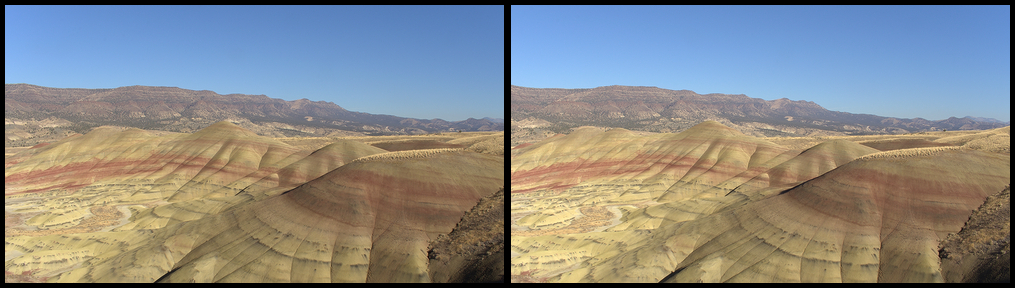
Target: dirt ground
(474, 251)
(981, 252)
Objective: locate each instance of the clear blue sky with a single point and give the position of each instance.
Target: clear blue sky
(421, 62)
(931, 62)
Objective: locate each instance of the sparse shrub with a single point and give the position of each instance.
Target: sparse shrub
(907, 153)
(408, 154)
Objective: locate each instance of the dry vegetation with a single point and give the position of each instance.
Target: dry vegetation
(994, 140)
(908, 153)
(314, 143)
(992, 143)
(403, 155)
(981, 251)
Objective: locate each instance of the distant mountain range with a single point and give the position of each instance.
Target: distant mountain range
(537, 112)
(985, 119)
(34, 114)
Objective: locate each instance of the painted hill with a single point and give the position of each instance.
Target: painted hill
(537, 111)
(35, 114)
(223, 204)
(879, 218)
(711, 204)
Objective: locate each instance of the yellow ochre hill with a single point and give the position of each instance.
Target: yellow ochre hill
(223, 204)
(711, 204)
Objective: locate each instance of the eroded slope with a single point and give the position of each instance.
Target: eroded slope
(226, 205)
(724, 207)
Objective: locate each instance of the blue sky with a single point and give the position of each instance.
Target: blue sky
(931, 62)
(421, 62)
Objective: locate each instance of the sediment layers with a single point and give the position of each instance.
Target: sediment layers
(226, 205)
(719, 206)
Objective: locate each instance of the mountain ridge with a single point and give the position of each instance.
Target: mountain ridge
(36, 114)
(536, 111)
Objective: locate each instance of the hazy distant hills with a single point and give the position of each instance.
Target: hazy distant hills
(985, 119)
(552, 110)
(35, 114)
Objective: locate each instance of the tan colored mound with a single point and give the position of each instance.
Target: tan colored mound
(616, 167)
(815, 161)
(867, 221)
(901, 143)
(256, 186)
(61, 253)
(226, 205)
(318, 163)
(995, 140)
(716, 206)
(488, 144)
(809, 164)
(412, 144)
(999, 143)
(363, 222)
